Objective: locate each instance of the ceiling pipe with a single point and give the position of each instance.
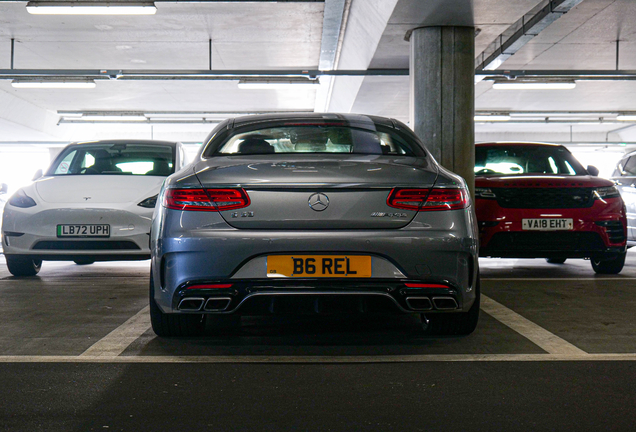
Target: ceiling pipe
(578, 74)
(191, 74)
(136, 74)
(522, 31)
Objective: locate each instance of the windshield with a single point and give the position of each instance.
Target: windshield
(530, 159)
(116, 159)
(315, 139)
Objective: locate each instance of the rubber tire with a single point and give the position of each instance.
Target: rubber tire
(454, 324)
(612, 266)
(555, 260)
(83, 262)
(20, 265)
(173, 325)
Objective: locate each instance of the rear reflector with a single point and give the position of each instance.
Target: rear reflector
(423, 285)
(210, 286)
(435, 199)
(205, 199)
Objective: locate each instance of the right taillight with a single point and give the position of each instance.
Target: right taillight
(205, 199)
(435, 199)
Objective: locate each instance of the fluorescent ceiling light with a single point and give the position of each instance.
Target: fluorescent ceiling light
(531, 85)
(90, 8)
(626, 117)
(277, 84)
(494, 117)
(110, 118)
(52, 84)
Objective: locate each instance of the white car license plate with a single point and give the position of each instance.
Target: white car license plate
(88, 230)
(547, 224)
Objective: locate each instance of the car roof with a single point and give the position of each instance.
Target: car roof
(310, 116)
(124, 141)
(519, 143)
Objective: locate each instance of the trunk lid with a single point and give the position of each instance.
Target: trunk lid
(310, 192)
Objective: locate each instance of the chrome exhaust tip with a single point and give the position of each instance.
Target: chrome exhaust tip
(191, 304)
(217, 304)
(419, 303)
(445, 303)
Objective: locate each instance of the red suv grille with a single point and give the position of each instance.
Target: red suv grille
(548, 198)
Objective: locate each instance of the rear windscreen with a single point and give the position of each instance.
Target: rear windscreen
(315, 139)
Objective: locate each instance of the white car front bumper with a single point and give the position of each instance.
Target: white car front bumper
(31, 232)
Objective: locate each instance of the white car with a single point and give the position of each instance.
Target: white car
(94, 203)
(3, 200)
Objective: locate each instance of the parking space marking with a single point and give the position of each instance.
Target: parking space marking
(547, 341)
(591, 279)
(150, 359)
(119, 339)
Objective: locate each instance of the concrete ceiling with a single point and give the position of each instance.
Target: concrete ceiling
(289, 35)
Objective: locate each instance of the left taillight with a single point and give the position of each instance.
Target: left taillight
(435, 199)
(205, 199)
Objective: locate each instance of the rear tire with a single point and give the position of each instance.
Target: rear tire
(611, 266)
(171, 325)
(83, 262)
(555, 260)
(458, 324)
(20, 265)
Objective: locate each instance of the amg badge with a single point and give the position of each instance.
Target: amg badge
(391, 215)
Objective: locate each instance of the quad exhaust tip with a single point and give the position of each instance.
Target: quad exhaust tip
(191, 304)
(212, 304)
(445, 303)
(217, 304)
(419, 303)
(426, 304)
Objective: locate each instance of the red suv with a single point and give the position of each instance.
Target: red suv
(537, 201)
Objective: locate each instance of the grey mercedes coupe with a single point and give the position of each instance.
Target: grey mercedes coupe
(313, 213)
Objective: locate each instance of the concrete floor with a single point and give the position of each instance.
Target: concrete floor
(555, 349)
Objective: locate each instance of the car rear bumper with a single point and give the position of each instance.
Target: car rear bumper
(263, 296)
(240, 259)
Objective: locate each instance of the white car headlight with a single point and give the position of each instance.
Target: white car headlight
(22, 200)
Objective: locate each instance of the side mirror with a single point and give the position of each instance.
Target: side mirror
(592, 170)
(37, 174)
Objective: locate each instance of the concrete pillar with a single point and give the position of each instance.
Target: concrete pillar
(442, 72)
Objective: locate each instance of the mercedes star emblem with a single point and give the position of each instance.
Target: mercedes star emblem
(318, 202)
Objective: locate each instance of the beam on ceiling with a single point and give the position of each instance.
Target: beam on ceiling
(334, 22)
(17, 116)
(522, 31)
(366, 23)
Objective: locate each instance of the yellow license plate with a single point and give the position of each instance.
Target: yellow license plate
(335, 266)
